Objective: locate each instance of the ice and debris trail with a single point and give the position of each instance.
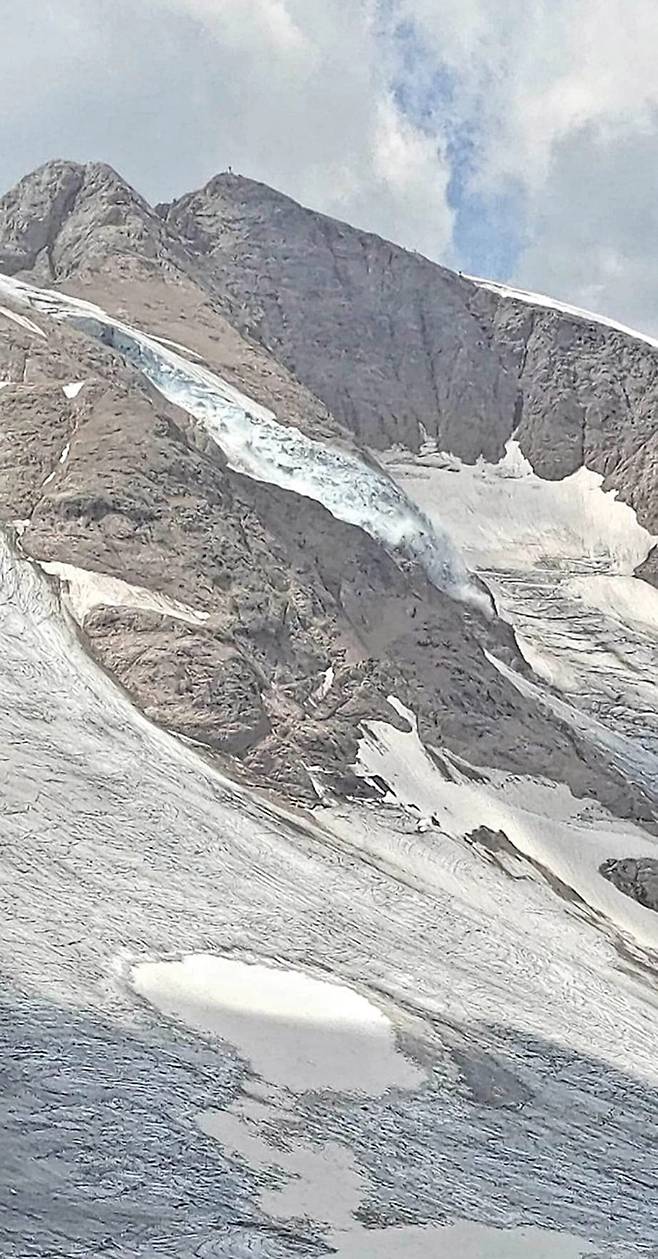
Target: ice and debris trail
(564, 308)
(559, 558)
(256, 445)
(86, 590)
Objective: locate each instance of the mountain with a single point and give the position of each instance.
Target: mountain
(400, 348)
(330, 636)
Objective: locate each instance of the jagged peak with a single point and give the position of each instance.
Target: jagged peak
(63, 213)
(51, 178)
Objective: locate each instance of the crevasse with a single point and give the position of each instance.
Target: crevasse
(254, 443)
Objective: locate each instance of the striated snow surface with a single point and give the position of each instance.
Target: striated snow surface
(299, 1033)
(414, 1029)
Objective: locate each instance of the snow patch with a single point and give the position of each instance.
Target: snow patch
(86, 590)
(325, 686)
(558, 557)
(62, 459)
(544, 822)
(72, 390)
(297, 1032)
(469, 1241)
(504, 516)
(627, 599)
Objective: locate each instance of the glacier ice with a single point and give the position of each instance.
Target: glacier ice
(258, 446)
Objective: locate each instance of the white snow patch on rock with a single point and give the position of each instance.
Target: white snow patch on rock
(22, 321)
(72, 390)
(86, 589)
(325, 686)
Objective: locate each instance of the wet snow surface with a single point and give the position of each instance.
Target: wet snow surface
(419, 1029)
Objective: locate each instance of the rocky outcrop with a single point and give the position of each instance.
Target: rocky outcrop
(636, 877)
(286, 591)
(65, 218)
(384, 337)
(343, 332)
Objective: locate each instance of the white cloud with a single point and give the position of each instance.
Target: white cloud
(237, 21)
(559, 99)
(563, 96)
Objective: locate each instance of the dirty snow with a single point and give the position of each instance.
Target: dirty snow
(21, 320)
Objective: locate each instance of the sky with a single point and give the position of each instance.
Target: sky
(515, 139)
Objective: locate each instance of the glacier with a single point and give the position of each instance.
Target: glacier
(257, 445)
(513, 1025)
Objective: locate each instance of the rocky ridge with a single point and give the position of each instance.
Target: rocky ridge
(350, 339)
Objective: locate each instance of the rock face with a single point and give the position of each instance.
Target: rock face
(354, 341)
(398, 347)
(636, 877)
(383, 336)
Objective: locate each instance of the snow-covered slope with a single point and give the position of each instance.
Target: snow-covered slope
(559, 558)
(417, 1026)
(519, 1049)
